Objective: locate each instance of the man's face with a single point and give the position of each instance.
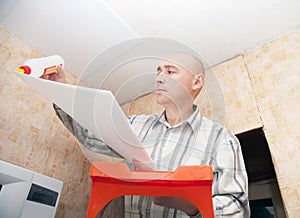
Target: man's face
(174, 84)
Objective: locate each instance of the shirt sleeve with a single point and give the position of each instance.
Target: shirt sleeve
(85, 137)
(230, 189)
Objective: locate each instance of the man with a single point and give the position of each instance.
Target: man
(179, 136)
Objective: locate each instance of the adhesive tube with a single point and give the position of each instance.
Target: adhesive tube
(38, 67)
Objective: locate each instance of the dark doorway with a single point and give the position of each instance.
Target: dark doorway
(264, 193)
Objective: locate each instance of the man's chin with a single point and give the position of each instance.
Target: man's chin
(162, 99)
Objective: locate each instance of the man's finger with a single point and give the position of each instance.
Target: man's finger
(59, 70)
(45, 76)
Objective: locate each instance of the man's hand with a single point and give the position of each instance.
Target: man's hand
(176, 203)
(59, 76)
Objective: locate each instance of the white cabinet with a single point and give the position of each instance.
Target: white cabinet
(27, 194)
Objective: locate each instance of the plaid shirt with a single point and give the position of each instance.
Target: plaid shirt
(196, 141)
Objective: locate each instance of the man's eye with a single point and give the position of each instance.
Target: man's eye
(171, 71)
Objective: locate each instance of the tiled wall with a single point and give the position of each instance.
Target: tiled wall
(262, 87)
(274, 70)
(239, 107)
(31, 136)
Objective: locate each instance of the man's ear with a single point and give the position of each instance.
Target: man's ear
(198, 81)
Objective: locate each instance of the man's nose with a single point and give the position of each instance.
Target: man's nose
(160, 78)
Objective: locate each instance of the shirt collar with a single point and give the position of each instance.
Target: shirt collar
(193, 121)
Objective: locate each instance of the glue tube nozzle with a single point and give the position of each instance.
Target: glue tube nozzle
(24, 70)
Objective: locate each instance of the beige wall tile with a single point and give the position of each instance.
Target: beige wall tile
(294, 212)
(274, 74)
(292, 196)
(32, 137)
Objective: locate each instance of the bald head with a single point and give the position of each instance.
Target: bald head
(187, 61)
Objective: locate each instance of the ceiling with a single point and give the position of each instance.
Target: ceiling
(89, 31)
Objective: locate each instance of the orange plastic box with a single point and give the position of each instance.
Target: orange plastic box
(112, 180)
